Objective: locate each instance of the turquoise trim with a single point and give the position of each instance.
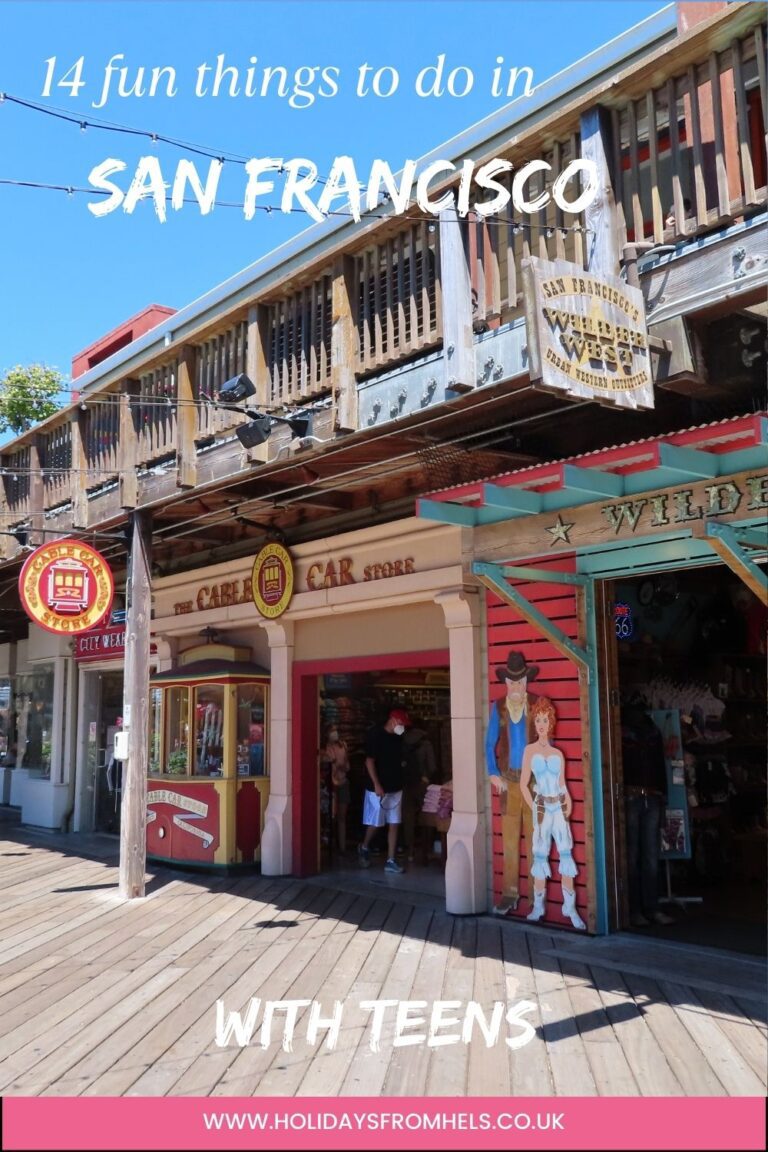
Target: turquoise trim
(517, 500)
(591, 482)
(595, 749)
(493, 578)
(729, 540)
(446, 513)
(517, 572)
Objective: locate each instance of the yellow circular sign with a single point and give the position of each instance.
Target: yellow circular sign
(66, 587)
(272, 580)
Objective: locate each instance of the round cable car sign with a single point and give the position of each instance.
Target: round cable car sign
(272, 580)
(66, 587)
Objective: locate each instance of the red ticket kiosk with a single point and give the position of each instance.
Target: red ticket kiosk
(208, 782)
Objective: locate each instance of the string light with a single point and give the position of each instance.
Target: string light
(222, 157)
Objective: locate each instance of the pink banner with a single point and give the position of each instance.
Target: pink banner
(373, 1123)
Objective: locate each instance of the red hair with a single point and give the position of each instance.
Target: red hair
(543, 706)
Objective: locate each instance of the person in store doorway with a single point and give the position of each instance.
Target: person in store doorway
(645, 795)
(510, 729)
(334, 754)
(551, 805)
(385, 765)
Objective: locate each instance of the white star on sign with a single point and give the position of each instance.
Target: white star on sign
(560, 532)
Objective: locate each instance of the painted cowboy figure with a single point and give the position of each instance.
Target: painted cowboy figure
(510, 729)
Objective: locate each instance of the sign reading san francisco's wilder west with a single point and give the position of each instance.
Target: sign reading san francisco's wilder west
(586, 335)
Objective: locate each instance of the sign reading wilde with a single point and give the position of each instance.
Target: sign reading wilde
(272, 580)
(586, 336)
(66, 586)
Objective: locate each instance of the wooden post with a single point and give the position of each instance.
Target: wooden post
(343, 345)
(79, 469)
(128, 443)
(36, 490)
(458, 346)
(133, 817)
(257, 368)
(5, 541)
(601, 218)
(186, 420)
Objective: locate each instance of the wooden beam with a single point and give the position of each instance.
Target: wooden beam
(36, 490)
(601, 217)
(186, 420)
(458, 347)
(133, 814)
(257, 368)
(491, 577)
(79, 469)
(724, 541)
(128, 442)
(5, 541)
(344, 345)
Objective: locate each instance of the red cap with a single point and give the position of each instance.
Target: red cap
(400, 716)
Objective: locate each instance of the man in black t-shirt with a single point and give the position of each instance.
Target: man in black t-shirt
(385, 764)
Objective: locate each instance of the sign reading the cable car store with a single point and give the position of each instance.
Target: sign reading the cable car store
(586, 335)
(272, 580)
(66, 587)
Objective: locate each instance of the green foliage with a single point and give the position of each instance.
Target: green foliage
(27, 396)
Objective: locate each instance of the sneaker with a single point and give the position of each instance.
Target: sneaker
(393, 866)
(662, 918)
(364, 857)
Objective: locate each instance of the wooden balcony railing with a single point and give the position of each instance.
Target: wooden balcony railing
(398, 297)
(686, 156)
(691, 153)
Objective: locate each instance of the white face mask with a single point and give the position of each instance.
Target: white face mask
(333, 737)
(399, 729)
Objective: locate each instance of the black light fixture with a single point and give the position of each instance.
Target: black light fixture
(260, 424)
(237, 389)
(256, 431)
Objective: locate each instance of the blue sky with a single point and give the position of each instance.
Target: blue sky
(68, 278)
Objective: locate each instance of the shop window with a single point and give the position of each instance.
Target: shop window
(177, 732)
(32, 724)
(251, 709)
(155, 731)
(209, 730)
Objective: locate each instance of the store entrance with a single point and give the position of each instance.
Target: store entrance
(101, 775)
(346, 705)
(691, 652)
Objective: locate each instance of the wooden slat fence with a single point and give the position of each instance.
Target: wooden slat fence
(691, 153)
(155, 414)
(101, 439)
(216, 361)
(398, 297)
(56, 456)
(299, 344)
(17, 481)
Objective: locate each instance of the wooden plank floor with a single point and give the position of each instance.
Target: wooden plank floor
(104, 997)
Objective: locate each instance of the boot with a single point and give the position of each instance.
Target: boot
(569, 908)
(539, 896)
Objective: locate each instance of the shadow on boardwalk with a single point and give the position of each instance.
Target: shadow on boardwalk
(99, 996)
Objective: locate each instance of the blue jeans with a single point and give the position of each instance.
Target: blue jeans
(643, 814)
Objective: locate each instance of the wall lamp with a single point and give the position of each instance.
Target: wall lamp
(260, 425)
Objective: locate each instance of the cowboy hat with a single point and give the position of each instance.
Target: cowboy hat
(516, 668)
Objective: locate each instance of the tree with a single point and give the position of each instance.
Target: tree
(27, 396)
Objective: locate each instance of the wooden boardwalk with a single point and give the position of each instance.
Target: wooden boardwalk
(103, 997)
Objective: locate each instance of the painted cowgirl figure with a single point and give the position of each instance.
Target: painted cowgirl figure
(551, 805)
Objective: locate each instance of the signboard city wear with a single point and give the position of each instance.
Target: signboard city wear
(66, 587)
(272, 580)
(586, 335)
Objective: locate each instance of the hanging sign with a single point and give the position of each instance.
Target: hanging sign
(586, 335)
(272, 580)
(66, 587)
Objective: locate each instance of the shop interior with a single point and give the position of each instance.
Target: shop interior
(692, 650)
(351, 704)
